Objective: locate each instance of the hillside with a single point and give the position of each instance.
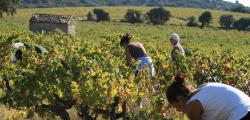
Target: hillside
(208, 4)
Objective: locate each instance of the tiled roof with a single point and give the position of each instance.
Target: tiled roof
(49, 18)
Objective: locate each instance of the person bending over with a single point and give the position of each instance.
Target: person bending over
(137, 51)
(211, 101)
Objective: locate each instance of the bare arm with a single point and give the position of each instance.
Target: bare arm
(195, 110)
(128, 57)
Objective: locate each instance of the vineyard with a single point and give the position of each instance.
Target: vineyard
(87, 72)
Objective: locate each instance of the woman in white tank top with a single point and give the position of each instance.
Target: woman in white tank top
(211, 101)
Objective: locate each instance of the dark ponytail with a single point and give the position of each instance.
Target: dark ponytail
(125, 39)
(180, 87)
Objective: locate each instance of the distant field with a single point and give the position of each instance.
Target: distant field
(192, 37)
(117, 13)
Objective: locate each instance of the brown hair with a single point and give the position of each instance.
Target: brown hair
(180, 87)
(125, 39)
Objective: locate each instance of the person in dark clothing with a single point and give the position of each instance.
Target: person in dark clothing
(18, 52)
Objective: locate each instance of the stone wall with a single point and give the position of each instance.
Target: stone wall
(72, 29)
(49, 27)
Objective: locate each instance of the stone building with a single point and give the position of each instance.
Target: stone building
(45, 23)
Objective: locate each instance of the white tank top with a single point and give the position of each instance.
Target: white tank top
(222, 102)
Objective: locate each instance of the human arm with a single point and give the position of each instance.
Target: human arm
(128, 57)
(194, 110)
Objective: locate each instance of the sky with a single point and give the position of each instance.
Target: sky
(244, 2)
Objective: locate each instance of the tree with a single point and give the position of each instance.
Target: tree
(101, 15)
(226, 21)
(242, 24)
(158, 16)
(90, 16)
(205, 19)
(133, 16)
(192, 22)
(8, 6)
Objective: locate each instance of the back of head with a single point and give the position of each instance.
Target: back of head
(125, 39)
(175, 37)
(180, 87)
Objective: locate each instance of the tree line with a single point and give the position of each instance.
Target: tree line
(9, 6)
(159, 16)
(155, 16)
(208, 4)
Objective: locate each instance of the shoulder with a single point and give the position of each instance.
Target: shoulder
(133, 44)
(136, 43)
(195, 104)
(178, 47)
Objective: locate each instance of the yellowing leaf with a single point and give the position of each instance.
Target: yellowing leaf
(229, 66)
(119, 109)
(122, 81)
(60, 94)
(165, 66)
(141, 94)
(114, 92)
(204, 65)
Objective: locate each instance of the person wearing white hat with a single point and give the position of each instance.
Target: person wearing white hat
(175, 41)
(18, 45)
(18, 52)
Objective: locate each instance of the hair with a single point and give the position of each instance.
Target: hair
(125, 39)
(180, 87)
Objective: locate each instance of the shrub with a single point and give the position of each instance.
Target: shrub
(158, 16)
(226, 21)
(90, 16)
(192, 22)
(101, 15)
(133, 16)
(242, 24)
(205, 19)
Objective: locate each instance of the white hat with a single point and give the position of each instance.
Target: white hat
(18, 45)
(175, 37)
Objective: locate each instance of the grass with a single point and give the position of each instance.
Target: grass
(192, 37)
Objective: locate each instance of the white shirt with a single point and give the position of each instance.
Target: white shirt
(222, 102)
